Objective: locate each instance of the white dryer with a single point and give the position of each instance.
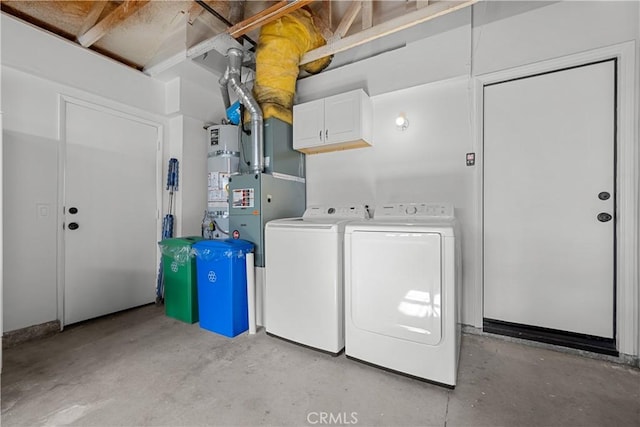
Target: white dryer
(304, 292)
(401, 290)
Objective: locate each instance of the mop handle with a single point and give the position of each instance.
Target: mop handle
(172, 175)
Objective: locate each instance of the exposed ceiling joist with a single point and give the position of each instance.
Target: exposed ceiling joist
(156, 35)
(322, 19)
(326, 12)
(347, 19)
(270, 14)
(92, 17)
(367, 14)
(115, 18)
(389, 27)
(236, 11)
(194, 11)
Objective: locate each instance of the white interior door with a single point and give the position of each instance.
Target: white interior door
(110, 182)
(549, 143)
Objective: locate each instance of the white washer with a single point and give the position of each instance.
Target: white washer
(401, 290)
(304, 294)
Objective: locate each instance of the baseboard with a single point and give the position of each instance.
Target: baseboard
(18, 336)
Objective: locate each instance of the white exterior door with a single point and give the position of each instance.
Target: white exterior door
(110, 241)
(549, 200)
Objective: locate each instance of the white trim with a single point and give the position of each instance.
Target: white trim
(118, 110)
(62, 151)
(628, 329)
(478, 131)
(1, 242)
(154, 69)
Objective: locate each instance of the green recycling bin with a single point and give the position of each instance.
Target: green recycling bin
(180, 285)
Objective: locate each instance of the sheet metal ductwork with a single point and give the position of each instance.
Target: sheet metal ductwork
(281, 45)
(232, 78)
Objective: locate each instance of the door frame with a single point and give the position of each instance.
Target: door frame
(119, 110)
(626, 246)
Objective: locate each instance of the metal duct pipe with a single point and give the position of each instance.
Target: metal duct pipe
(224, 89)
(257, 138)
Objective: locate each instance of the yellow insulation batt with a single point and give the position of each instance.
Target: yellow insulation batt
(281, 45)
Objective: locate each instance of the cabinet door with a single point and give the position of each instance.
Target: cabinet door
(308, 124)
(342, 117)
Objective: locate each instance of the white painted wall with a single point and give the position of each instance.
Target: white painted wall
(441, 55)
(42, 54)
(194, 187)
(427, 161)
(36, 69)
(502, 40)
(1, 212)
(30, 290)
(193, 105)
(424, 163)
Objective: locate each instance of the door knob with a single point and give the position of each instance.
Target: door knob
(604, 217)
(73, 226)
(604, 195)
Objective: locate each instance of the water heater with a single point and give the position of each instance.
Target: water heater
(223, 159)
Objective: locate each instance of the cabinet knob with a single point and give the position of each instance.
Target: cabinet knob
(326, 135)
(320, 135)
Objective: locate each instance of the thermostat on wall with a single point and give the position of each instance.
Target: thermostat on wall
(471, 159)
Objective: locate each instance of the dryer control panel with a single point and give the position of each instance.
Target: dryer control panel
(330, 211)
(418, 210)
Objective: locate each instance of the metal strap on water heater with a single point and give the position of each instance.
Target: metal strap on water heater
(225, 153)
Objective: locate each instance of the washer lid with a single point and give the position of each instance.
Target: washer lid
(303, 224)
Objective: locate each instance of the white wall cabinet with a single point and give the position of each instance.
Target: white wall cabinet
(338, 122)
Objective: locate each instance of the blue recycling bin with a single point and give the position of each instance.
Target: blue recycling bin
(222, 285)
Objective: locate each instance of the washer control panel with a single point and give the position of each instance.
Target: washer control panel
(419, 210)
(352, 211)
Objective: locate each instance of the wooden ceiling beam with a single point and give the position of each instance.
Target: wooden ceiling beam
(326, 13)
(389, 27)
(322, 19)
(270, 14)
(194, 11)
(236, 11)
(115, 18)
(92, 17)
(347, 19)
(367, 14)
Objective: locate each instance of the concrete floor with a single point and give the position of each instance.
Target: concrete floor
(141, 368)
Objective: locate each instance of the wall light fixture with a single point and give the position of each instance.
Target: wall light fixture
(401, 122)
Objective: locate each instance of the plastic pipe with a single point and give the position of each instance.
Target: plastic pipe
(251, 293)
